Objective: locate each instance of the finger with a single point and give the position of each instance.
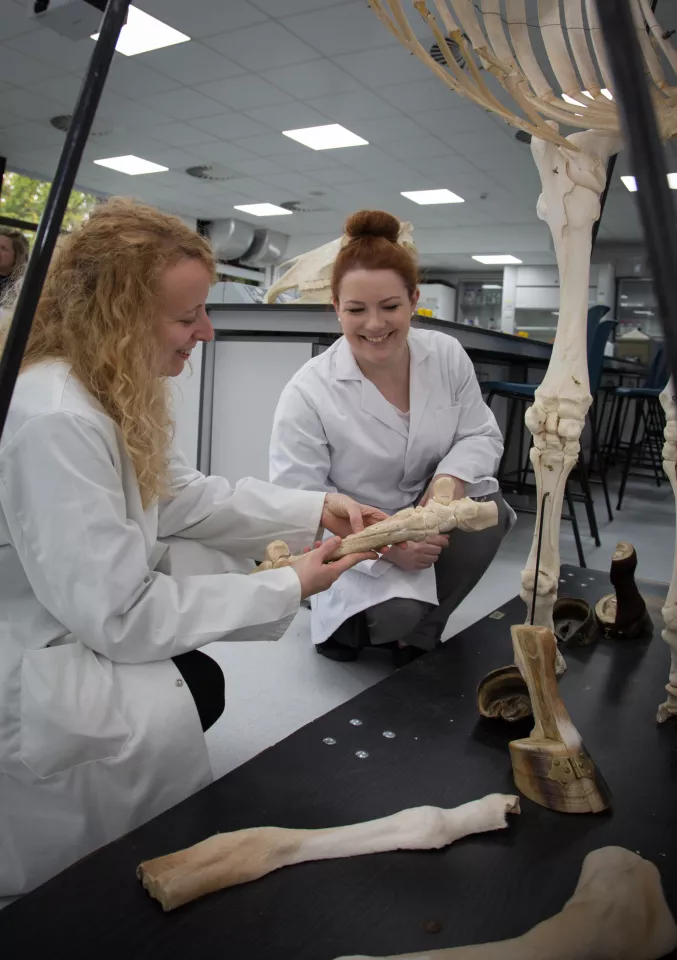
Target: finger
(354, 511)
(430, 552)
(438, 540)
(345, 563)
(372, 515)
(325, 550)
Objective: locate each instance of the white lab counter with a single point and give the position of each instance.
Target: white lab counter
(224, 406)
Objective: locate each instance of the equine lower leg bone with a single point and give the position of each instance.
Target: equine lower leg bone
(618, 910)
(572, 181)
(227, 859)
(669, 707)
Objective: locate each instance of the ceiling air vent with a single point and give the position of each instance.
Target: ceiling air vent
(62, 122)
(523, 136)
(212, 172)
(455, 50)
(304, 206)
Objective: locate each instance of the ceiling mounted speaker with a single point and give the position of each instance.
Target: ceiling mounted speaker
(230, 238)
(268, 248)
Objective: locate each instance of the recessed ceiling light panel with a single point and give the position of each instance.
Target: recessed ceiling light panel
(496, 258)
(330, 136)
(142, 33)
(131, 165)
(427, 197)
(262, 209)
(631, 183)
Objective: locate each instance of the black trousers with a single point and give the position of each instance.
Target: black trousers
(204, 679)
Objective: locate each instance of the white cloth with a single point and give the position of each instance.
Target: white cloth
(98, 733)
(334, 431)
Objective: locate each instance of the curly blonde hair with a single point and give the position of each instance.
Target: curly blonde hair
(98, 311)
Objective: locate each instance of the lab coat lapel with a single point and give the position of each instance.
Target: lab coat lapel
(372, 400)
(419, 395)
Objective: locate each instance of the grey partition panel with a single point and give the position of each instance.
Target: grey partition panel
(249, 376)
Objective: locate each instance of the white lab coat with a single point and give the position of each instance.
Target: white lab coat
(98, 732)
(334, 431)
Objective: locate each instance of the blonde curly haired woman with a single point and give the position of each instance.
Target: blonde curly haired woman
(117, 560)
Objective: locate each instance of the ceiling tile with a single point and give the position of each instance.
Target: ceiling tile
(273, 145)
(31, 134)
(191, 63)
(340, 29)
(318, 78)
(63, 89)
(219, 152)
(248, 186)
(458, 119)
(173, 157)
(285, 8)
(387, 129)
(203, 18)
(346, 107)
(183, 104)
(450, 164)
(126, 113)
(422, 96)
(339, 176)
(28, 105)
(297, 183)
(15, 20)
(309, 160)
(129, 77)
(244, 93)
(8, 119)
(384, 66)
(230, 126)
(180, 135)
(262, 47)
(19, 68)
(289, 116)
(423, 147)
(260, 167)
(50, 47)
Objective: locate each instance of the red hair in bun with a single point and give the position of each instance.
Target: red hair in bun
(372, 245)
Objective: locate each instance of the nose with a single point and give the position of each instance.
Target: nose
(205, 330)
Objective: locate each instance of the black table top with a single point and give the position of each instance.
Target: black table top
(482, 888)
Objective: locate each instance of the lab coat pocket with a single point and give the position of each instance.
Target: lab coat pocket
(446, 421)
(68, 716)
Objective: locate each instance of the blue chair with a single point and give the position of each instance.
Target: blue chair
(519, 394)
(645, 447)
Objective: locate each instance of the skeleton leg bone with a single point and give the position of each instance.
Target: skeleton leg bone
(618, 910)
(227, 859)
(669, 707)
(572, 182)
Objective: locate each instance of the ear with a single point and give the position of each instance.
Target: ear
(414, 300)
(336, 305)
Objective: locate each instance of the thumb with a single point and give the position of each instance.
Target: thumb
(325, 550)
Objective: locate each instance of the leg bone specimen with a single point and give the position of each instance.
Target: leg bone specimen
(618, 910)
(414, 523)
(551, 766)
(227, 859)
(669, 707)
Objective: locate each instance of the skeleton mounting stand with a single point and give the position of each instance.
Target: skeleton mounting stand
(55, 207)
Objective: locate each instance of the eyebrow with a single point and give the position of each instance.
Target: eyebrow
(394, 296)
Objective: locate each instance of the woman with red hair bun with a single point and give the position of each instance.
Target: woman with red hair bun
(380, 415)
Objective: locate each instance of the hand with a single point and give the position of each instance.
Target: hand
(316, 574)
(342, 515)
(419, 556)
(459, 490)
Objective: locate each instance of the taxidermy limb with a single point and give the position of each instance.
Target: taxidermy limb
(227, 859)
(618, 911)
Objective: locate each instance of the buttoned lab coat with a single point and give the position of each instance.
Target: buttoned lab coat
(334, 431)
(98, 732)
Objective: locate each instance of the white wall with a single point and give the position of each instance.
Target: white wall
(185, 391)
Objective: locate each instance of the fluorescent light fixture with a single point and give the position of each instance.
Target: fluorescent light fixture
(492, 286)
(262, 209)
(495, 258)
(631, 183)
(606, 93)
(131, 165)
(432, 196)
(142, 33)
(624, 296)
(327, 137)
(643, 313)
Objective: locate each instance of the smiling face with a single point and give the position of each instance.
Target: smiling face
(6, 255)
(182, 320)
(375, 310)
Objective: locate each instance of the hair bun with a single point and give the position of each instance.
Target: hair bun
(373, 223)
